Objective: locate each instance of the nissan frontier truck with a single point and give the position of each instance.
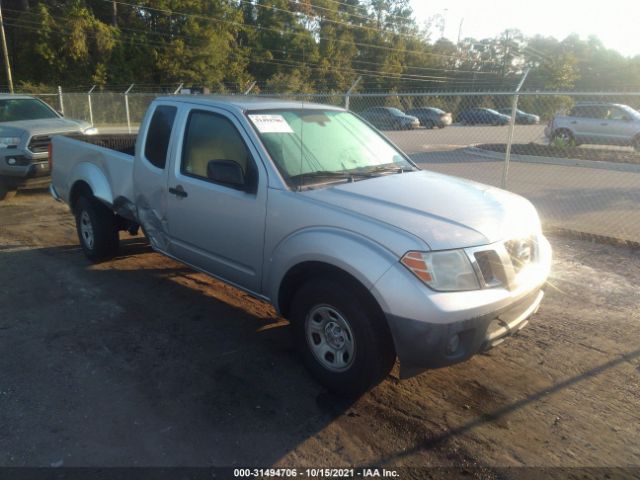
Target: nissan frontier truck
(310, 208)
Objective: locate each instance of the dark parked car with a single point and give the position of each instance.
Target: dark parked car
(486, 116)
(431, 117)
(389, 118)
(522, 118)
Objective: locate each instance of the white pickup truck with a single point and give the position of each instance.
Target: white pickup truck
(310, 208)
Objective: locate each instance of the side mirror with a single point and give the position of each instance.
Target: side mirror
(226, 172)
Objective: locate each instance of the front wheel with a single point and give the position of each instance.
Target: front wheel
(97, 229)
(345, 342)
(6, 192)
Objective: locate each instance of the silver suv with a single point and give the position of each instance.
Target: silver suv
(597, 123)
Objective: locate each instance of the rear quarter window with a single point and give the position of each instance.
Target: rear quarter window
(158, 135)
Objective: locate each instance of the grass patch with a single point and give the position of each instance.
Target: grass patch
(578, 153)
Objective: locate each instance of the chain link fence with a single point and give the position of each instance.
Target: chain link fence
(576, 156)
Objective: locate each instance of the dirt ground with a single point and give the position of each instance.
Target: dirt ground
(140, 361)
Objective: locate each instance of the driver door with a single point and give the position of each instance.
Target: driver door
(215, 225)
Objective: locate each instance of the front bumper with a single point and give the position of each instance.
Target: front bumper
(16, 165)
(427, 345)
(435, 329)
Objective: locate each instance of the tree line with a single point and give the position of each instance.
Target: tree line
(286, 46)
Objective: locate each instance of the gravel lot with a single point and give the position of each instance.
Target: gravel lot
(142, 362)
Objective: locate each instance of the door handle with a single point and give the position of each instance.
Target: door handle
(178, 191)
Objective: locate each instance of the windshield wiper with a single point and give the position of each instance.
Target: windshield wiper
(323, 175)
(347, 175)
(384, 169)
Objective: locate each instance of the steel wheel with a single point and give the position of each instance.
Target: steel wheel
(330, 338)
(97, 229)
(563, 138)
(86, 229)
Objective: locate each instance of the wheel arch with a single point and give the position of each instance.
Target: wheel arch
(79, 189)
(300, 273)
(343, 255)
(87, 177)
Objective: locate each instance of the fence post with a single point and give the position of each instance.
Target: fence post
(348, 94)
(512, 124)
(248, 90)
(90, 105)
(126, 107)
(177, 90)
(60, 100)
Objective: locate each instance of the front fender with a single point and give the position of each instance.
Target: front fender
(361, 257)
(95, 178)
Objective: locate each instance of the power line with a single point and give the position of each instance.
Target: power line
(255, 27)
(278, 62)
(28, 25)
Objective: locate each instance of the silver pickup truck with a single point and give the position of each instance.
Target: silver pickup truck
(26, 127)
(310, 208)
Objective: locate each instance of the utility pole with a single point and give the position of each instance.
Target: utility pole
(114, 14)
(5, 52)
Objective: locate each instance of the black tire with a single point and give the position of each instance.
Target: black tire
(428, 124)
(373, 351)
(563, 136)
(6, 192)
(97, 229)
(636, 143)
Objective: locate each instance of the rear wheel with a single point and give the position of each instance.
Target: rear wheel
(344, 341)
(97, 229)
(563, 138)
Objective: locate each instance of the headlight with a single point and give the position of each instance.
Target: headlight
(7, 142)
(446, 271)
(91, 131)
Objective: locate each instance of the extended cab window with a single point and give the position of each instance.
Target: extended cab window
(158, 135)
(211, 141)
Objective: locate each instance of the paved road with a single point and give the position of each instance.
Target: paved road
(426, 140)
(597, 201)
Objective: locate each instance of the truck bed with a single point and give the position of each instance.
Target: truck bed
(121, 142)
(104, 162)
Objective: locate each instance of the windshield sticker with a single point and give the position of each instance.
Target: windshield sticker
(271, 123)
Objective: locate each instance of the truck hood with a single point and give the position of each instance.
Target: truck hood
(445, 212)
(45, 126)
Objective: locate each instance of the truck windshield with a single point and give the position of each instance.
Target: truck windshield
(322, 146)
(16, 109)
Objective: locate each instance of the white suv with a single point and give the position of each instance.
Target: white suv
(596, 123)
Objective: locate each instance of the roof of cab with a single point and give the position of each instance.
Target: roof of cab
(7, 96)
(246, 102)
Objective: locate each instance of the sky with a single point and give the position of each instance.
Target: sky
(615, 22)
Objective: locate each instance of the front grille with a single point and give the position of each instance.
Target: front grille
(39, 143)
(521, 252)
